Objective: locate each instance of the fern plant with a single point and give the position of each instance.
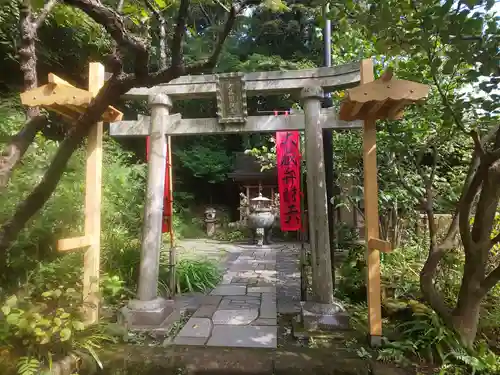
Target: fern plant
(425, 336)
(28, 366)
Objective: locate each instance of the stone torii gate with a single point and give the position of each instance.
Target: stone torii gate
(372, 100)
(381, 99)
(231, 90)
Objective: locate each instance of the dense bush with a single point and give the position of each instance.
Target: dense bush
(41, 288)
(123, 196)
(413, 332)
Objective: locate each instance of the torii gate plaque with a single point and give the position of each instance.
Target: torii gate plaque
(231, 99)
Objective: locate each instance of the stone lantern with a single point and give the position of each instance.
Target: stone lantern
(210, 221)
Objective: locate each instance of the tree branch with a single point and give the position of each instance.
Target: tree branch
(163, 34)
(114, 25)
(488, 202)
(204, 11)
(40, 19)
(491, 280)
(180, 29)
(466, 204)
(429, 270)
(473, 166)
(119, 7)
(210, 63)
(15, 150)
(172, 72)
(115, 87)
(27, 51)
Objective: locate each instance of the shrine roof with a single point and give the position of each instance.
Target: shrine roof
(247, 168)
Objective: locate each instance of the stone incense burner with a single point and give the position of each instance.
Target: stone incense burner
(261, 220)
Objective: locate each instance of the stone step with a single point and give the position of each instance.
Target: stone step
(234, 361)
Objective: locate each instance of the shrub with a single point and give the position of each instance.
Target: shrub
(426, 337)
(42, 329)
(352, 276)
(194, 275)
(41, 295)
(230, 235)
(62, 216)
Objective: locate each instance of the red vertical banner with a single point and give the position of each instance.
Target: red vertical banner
(288, 163)
(167, 190)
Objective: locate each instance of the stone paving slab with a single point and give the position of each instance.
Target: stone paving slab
(265, 322)
(210, 300)
(240, 302)
(235, 317)
(230, 290)
(181, 340)
(205, 311)
(244, 336)
(262, 289)
(196, 327)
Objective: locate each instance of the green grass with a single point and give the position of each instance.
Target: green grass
(197, 275)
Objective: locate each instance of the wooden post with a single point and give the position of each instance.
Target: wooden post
(247, 210)
(371, 216)
(316, 190)
(93, 206)
(172, 258)
(172, 280)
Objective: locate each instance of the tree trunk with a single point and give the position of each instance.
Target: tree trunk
(27, 51)
(20, 142)
(465, 316)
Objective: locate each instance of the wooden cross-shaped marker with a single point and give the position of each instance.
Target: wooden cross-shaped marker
(92, 238)
(70, 102)
(384, 98)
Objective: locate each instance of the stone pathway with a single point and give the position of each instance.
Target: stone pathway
(288, 268)
(242, 310)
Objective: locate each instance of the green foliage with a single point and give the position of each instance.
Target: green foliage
(427, 333)
(194, 275)
(400, 271)
(45, 328)
(187, 226)
(415, 333)
(113, 289)
(264, 155)
(28, 366)
(258, 62)
(425, 336)
(206, 162)
(422, 338)
(352, 276)
(42, 319)
(123, 197)
(229, 235)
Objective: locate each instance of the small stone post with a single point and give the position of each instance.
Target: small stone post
(317, 201)
(148, 308)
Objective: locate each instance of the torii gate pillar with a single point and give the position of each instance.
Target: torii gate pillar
(149, 309)
(324, 312)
